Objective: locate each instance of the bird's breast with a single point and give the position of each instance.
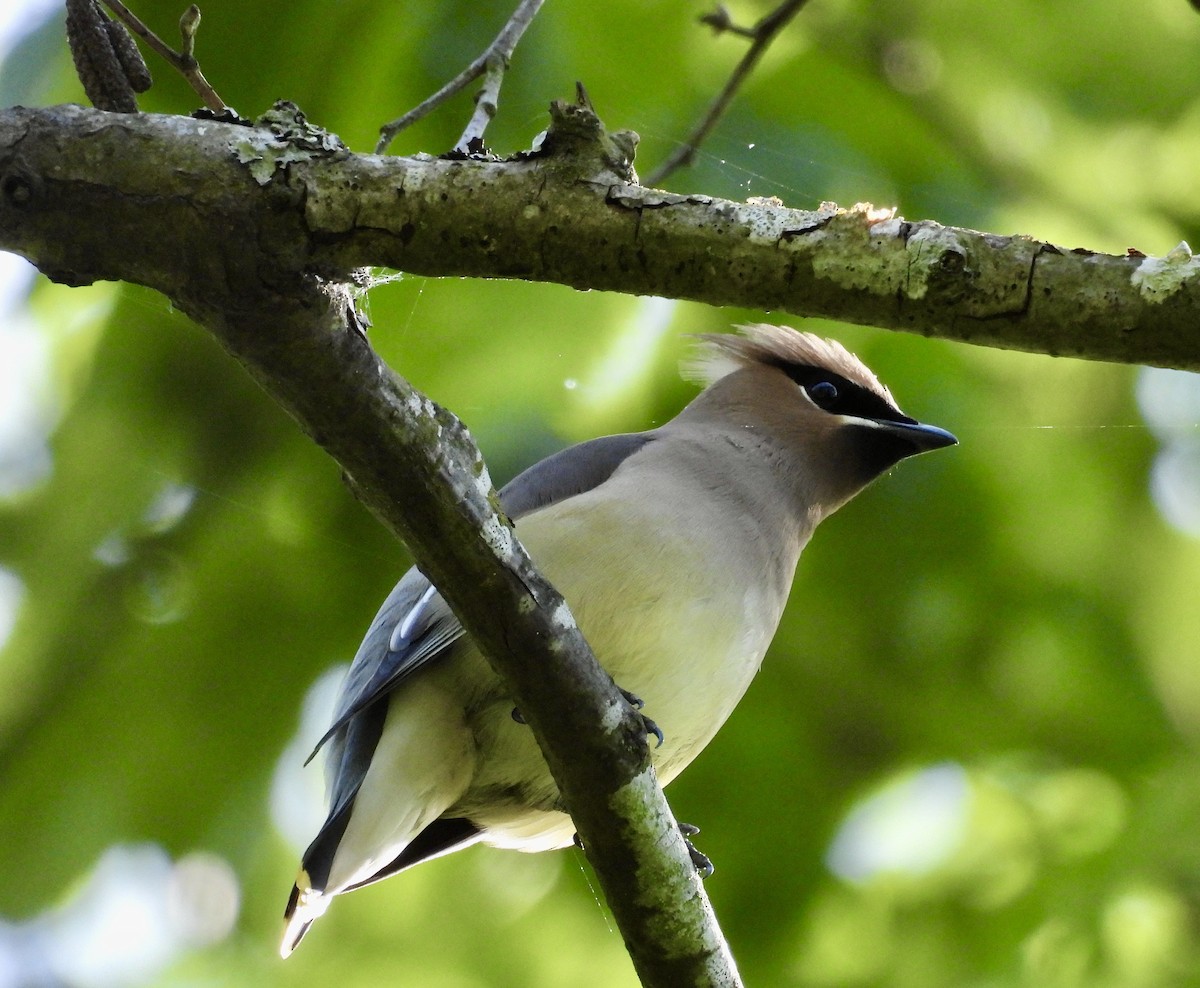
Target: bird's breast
(671, 611)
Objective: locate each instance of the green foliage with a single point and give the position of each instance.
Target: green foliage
(1006, 632)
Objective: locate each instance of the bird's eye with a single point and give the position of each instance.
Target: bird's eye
(824, 393)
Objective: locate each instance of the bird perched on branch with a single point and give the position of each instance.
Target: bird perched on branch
(675, 549)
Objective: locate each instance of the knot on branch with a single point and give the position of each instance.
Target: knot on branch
(577, 137)
(16, 190)
(939, 263)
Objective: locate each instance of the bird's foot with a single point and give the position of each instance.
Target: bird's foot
(701, 861)
(650, 727)
(635, 701)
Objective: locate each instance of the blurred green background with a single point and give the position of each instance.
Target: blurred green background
(970, 758)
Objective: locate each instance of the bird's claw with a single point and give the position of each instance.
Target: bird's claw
(632, 699)
(652, 728)
(635, 701)
(700, 861)
(647, 724)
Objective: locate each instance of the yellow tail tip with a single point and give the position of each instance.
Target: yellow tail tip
(303, 909)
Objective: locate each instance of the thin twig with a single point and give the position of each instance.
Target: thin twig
(763, 33)
(183, 61)
(485, 107)
(721, 21)
(494, 60)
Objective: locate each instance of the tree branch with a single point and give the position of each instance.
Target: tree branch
(435, 217)
(230, 247)
(256, 232)
(494, 61)
(761, 35)
(183, 61)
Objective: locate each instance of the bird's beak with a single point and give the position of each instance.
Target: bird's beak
(922, 438)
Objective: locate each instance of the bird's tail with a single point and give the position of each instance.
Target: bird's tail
(303, 909)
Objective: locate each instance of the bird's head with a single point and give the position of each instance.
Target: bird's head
(815, 405)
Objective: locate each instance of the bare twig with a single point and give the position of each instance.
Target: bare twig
(183, 61)
(762, 34)
(720, 20)
(409, 460)
(494, 61)
(485, 106)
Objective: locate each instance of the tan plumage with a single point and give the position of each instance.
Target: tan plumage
(762, 343)
(676, 550)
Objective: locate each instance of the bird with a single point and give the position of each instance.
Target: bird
(675, 548)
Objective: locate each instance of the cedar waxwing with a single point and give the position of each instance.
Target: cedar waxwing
(675, 549)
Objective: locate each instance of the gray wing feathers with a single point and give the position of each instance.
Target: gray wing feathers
(412, 627)
(569, 472)
(415, 625)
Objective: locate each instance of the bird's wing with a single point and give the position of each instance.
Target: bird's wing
(569, 472)
(415, 625)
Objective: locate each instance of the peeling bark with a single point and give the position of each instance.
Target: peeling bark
(220, 218)
(572, 214)
(258, 232)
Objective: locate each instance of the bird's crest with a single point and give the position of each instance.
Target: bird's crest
(759, 343)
